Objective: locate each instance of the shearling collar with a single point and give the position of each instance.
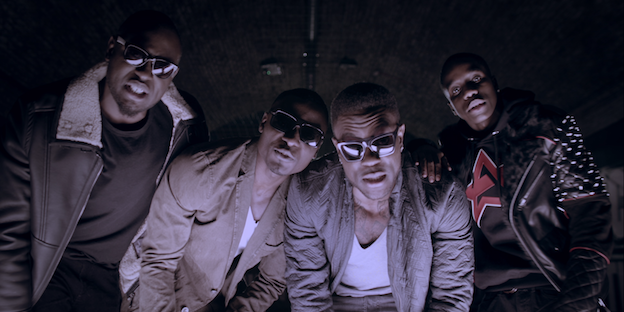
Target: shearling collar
(81, 116)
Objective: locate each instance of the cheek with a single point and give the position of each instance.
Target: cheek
(457, 103)
(350, 170)
(393, 162)
(307, 153)
(161, 86)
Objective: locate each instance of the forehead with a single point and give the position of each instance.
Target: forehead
(305, 112)
(161, 42)
(460, 71)
(364, 125)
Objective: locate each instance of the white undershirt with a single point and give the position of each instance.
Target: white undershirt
(250, 227)
(367, 270)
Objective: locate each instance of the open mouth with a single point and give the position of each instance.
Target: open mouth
(374, 178)
(285, 154)
(475, 104)
(136, 88)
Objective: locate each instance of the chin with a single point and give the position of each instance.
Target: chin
(280, 169)
(376, 193)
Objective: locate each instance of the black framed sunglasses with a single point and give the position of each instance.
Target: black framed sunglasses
(382, 145)
(137, 57)
(285, 122)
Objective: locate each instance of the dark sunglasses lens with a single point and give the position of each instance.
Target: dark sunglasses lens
(134, 56)
(310, 135)
(384, 145)
(282, 122)
(163, 69)
(352, 151)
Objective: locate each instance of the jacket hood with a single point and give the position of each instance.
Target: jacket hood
(81, 117)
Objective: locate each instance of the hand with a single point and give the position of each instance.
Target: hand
(430, 162)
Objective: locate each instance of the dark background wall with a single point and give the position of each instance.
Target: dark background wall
(569, 52)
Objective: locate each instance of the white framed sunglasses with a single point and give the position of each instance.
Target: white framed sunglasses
(138, 57)
(382, 145)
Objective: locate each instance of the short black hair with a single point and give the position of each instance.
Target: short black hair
(363, 97)
(302, 96)
(460, 59)
(145, 21)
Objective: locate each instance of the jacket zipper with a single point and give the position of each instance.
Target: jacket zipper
(515, 229)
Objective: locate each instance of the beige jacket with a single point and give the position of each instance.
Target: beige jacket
(194, 227)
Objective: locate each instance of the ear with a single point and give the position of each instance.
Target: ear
(494, 83)
(264, 119)
(335, 142)
(174, 75)
(401, 135)
(450, 105)
(111, 48)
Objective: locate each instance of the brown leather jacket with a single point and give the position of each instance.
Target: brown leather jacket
(49, 162)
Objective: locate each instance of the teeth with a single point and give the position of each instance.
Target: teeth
(474, 104)
(136, 89)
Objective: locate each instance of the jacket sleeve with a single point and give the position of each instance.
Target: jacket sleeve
(266, 288)
(581, 192)
(307, 266)
(453, 258)
(15, 194)
(168, 230)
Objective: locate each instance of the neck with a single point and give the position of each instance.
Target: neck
(373, 206)
(264, 187)
(264, 178)
(490, 123)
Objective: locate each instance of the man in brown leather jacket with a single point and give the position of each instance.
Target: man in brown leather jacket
(79, 163)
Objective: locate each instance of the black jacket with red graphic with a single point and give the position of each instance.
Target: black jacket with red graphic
(549, 221)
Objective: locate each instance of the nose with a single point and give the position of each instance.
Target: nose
(145, 71)
(292, 137)
(470, 92)
(370, 157)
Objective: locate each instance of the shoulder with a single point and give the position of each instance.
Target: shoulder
(436, 197)
(320, 184)
(199, 164)
(46, 96)
(192, 102)
(320, 172)
(218, 149)
(525, 113)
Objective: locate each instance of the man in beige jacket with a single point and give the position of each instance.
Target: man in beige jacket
(219, 212)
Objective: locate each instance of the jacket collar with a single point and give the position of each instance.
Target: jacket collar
(81, 117)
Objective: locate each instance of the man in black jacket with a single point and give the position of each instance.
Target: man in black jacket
(541, 212)
(79, 164)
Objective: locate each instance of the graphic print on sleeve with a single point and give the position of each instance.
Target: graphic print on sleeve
(483, 191)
